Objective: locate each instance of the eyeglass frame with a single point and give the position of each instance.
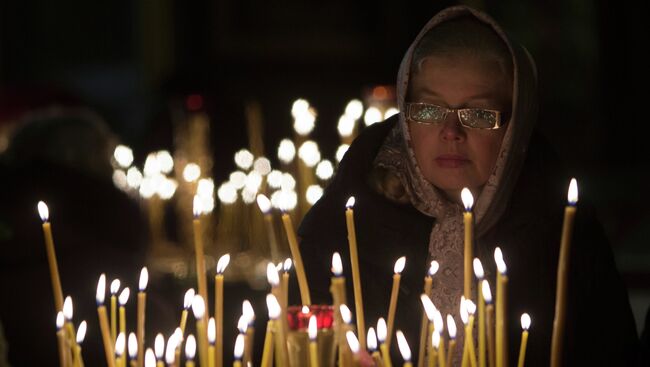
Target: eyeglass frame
(458, 111)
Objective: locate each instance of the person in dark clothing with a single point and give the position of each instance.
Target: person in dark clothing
(467, 96)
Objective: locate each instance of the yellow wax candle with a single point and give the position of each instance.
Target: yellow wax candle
(562, 275)
(501, 311)
(442, 361)
(122, 300)
(428, 281)
(187, 303)
(281, 326)
(394, 294)
(468, 221)
(249, 314)
(404, 348)
(61, 340)
(44, 213)
(480, 274)
(265, 206)
(381, 336)
(120, 345)
(372, 347)
(198, 306)
(103, 321)
(525, 324)
(433, 348)
(133, 350)
(190, 351)
(142, 301)
(239, 350)
(115, 287)
(356, 276)
(284, 283)
(198, 250)
(222, 264)
(159, 350)
(81, 334)
(469, 338)
(279, 336)
(489, 320)
(451, 330)
(353, 344)
(69, 327)
(297, 259)
(313, 345)
(267, 353)
(488, 325)
(212, 335)
(337, 289)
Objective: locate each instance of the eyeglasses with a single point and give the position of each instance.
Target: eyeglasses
(473, 118)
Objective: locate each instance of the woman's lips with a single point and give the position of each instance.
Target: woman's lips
(451, 161)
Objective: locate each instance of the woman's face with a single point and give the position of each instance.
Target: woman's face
(449, 155)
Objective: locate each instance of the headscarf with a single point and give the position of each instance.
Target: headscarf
(397, 156)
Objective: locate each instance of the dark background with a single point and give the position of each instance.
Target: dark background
(131, 60)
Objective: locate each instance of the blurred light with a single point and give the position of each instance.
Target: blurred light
(123, 155)
(309, 153)
(191, 172)
(133, 177)
(205, 187)
(313, 194)
(324, 170)
(299, 107)
(372, 116)
(194, 102)
(340, 152)
(253, 181)
(244, 159)
(238, 179)
(345, 126)
(147, 188)
(274, 179)
(165, 161)
(151, 165)
(119, 180)
(248, 196)
(227, 193)
(390, 112)
(262, 166)
(288, 182)
(354, 109)
(286, 151)
(167, 188)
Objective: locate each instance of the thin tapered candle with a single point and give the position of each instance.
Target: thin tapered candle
(133, 349)
(198, 249)
(149, 358)
(525, 324)
(187, 303)
(489, 322)
(265, 206)
(452, 331)
(435, 345)
(159, 350)
(468, 220)
(337, 289)
(142, 301)
(394, 295)
(115, 287)
(469, 333)
(381, 336)
(303, 285)
(562, 275)
(199, 309)
(190, 351)
(120, 349)
(274, 313)
(430, 315)
(280, 338)
(501, 311)
(480, 274)
(353, 344)
(69, 327)
(170, 351)
(284, 282)
(428, 281)
(356, 275)
(222, 264)
(103, 322)
(313, 345)
(239, 350)
(122, 300)
(281, 326)
(371, 343)
(212, 336)
(249, 313)
(61, 340)
(44, 213)
(81, 335)
(404, 348)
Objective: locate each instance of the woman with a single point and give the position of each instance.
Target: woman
(467, 96)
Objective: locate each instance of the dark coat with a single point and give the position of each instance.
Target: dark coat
(600, 326)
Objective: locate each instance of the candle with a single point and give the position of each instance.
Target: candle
(122, 300)
(177, 353)
(337, 289)
(222, 264)
(44, 213)
(469, 333)
(562, 275)
(297, 258)
(429, 313)
(356, 276)
(280, 338)
(81, 335)
(265, 206)
(464, 317)
(480, 274)
(397, 269)
(428, 280)
(61, 340)
(525, 324)
(142, 301)
(501, 311)
(198, 250)
(284, 283)
(239, 350)
(212, 336)
(313, 345)
(381, 336)
(149, 358)
(489, 322)
(346, 325)
(353, 344)
(133, 349)
(170, 352)
(468, 221)
(115, 287)
(187, 303)
(198, 307)
(451, 330)
(249, 313)
(103, 321)
(274, 312)
(159, 349)
(69, 327)
(190, 350)
(371, 342)
(281, 352)
(120, 346)
(435, 345)
(404, 348)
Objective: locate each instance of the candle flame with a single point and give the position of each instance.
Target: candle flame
(189, 296)
(340, 152)
(196, 206)
(278, 267)
(101, 289)
(222, 264)
(149, 358)
(81, 332)
(353, 342)
(464, 315)
(133, 346)
(159, 346)
(67, 308)
(198, 306)
(120, 344)
(451, 327)
(487, 294)
(346, 126)
(178, 334)
(350, 203)
(525, 321)
(346, 314)
(247, 310)
(337, 264)
(471, 307)
(381, 330)
(429, 307)
(399, 265)
(371, 339)
(170, 351)
(263, 203)
(313, 328)
(325, 170)
(435, 339)
(190, 347)
(273, 306)
(212, 330)
(43, 211)
(478, 269)
(124, 296)
(438, 322)
(433, 268)
(115, 286)
(305, 309)
(288, 263)
(272, 275)
(354, 109)
(573, 192)
(239, 347)
(403, 346)
(286, 151)
(242, 324)
(498, 258)
(467, 198)
(60, 319)
(123, 155)
(144, 279)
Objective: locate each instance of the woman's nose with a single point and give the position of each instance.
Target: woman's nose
(452, 130)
